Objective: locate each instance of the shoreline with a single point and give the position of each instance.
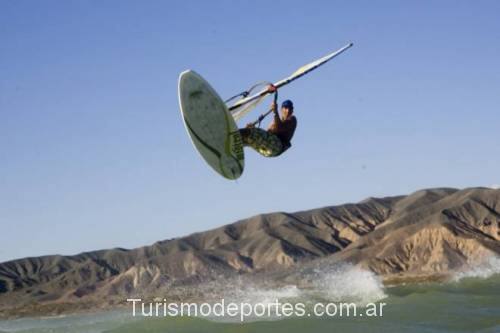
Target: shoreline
(61, 309)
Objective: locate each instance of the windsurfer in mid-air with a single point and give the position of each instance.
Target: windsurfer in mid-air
(211, 122)
(277, 139)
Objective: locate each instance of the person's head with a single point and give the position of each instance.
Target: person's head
(286, 108)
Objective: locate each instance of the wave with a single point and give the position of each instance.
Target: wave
(347, 283)
(339, 283)
(326, 284)
(485, 269)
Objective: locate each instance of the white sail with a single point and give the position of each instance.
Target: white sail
(245, 105)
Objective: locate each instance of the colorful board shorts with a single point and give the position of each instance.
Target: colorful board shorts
(263, 142)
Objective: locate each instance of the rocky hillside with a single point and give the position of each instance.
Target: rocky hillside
(425, 234)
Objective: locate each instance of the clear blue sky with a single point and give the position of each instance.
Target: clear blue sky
(93, 153)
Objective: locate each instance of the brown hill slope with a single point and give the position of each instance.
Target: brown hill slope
(429, 232)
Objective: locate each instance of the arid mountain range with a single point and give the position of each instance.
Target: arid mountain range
(426, 235)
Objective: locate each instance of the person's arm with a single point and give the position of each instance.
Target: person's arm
(277, 119)
(274, 107)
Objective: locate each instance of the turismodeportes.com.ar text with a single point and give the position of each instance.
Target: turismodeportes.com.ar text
(247, 310)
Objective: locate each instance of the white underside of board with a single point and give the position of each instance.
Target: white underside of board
(210, 126)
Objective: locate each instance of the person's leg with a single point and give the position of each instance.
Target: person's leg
(261, 141)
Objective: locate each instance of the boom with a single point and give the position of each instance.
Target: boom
(297, 74)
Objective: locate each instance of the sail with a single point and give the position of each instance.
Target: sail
(239, 108)
(242, 109)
